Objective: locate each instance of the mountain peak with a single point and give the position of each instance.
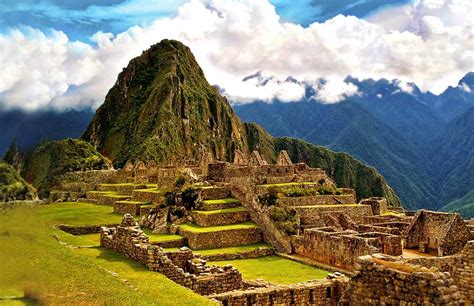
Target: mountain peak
(162, 109)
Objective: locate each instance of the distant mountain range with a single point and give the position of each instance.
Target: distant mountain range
(422, 143)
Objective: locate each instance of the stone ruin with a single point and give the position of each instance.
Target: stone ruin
(444, 233)
(359, 239)
(183, 267)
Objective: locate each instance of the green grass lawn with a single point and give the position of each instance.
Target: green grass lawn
(200, 229)
(35, 265)
(160, 237)
(233, 250)
(275, 269)
(78, 214)
(221, 211)
(222, 201)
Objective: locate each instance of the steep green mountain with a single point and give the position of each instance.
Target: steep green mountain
(162, 108)
(346, 171)
(13, 186)
(453, 155)
(464, 205)
(348, 127)
(49, 160)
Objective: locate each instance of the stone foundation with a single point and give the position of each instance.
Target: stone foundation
(260, 252)
(341, 248)
(311, 215)
(128, 207)
(432, 281)
(322, 292)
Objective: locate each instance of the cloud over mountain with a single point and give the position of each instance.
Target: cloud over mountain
(430, 43)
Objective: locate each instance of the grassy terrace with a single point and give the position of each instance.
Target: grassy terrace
(151, 190)
(221, 201)
(133, 202)
(199, 229)
(221, 211)
(233, 250)
(53, 274)
(79, 214)
(160, 237)
(274, 269)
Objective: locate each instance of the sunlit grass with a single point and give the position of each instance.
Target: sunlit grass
(274, 269)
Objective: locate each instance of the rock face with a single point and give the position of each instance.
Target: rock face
(13, 186)
(162, 108)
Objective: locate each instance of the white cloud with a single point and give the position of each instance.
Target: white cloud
(465, 87)
(430, 43)
(335, 90)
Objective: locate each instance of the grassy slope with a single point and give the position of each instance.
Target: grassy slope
(275, 269)
(232, 250)
(52, 273)
(79, 214)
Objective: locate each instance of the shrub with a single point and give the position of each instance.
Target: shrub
(270, 198)
(179, 183)
(170, 198)
(285, 219)
(189, 197)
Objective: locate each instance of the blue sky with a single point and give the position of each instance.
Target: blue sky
(80, 19)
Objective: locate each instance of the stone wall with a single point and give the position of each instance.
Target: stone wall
(318, 292)
(224, 172)
(219, 239)
(311, 215)
(82, 230)
(81, 181)
(184, 267)
(378, 204)
(341, 248)
(147, 196)
(428, 281)
(317, 200)
(224, 218)
(127, 207)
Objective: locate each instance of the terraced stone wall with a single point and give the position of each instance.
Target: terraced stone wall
(317, 200)
(312, 215)
(322, 292)
(81, 181)
(439, 281)
(215, 219)
(184, 268)
(341, 248)
(218, 239)
(224, 172)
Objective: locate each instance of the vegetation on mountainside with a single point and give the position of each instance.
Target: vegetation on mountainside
(13, 186)
(464, 205)
(37, 269)
(50, 160)
(345, 170)
(163, 109)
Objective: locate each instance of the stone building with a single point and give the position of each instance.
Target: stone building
(444, 233)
